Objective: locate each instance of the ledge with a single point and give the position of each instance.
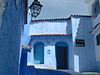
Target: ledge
(28, 47)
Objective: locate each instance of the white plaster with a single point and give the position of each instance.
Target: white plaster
(75, 23)
(50, 59)
(48, 28)
(25, 35)
(30, 57)
(80, 28)
(76, 63)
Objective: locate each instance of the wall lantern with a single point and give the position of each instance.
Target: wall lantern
(35, 8)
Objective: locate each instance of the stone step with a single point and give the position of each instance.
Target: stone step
(90, 73)
(70, 71)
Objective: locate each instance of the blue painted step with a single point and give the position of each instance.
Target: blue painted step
(32, 71)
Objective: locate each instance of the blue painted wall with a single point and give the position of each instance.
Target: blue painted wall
(23, 62)
(84, 57)
(38, 53)
(10, 36)
(79, 57)
(95, 32)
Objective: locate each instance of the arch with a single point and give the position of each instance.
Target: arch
(39, 53)
(61, 49)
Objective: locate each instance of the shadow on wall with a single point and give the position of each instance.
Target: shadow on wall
(32, 71)
(10, 43)
(69, 27)
(83, 54)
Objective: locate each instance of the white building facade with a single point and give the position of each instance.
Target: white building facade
(62, 44)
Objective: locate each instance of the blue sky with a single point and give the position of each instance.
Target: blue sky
(61, 8)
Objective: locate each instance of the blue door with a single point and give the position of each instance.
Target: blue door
(39, 53)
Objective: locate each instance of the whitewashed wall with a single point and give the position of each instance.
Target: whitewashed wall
(25, 35)
(49, 44)
(81, 27)
(50, 27)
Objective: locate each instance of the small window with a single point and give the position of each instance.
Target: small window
(98, 39)
(96, 9)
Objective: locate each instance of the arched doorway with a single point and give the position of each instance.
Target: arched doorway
(39, 53)
(61, 49)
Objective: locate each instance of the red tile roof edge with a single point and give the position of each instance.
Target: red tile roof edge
(51, 34)
(82, 15)
(61, 18)
(51, 19)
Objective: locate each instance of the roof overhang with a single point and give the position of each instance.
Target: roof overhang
(52, 34)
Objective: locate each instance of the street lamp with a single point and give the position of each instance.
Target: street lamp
(35, 8)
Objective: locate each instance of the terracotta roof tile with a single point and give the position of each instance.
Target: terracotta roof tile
(62, 18)
(82, 15)
(51, 19)
(51, 34)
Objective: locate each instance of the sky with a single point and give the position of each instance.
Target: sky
(61, 8)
